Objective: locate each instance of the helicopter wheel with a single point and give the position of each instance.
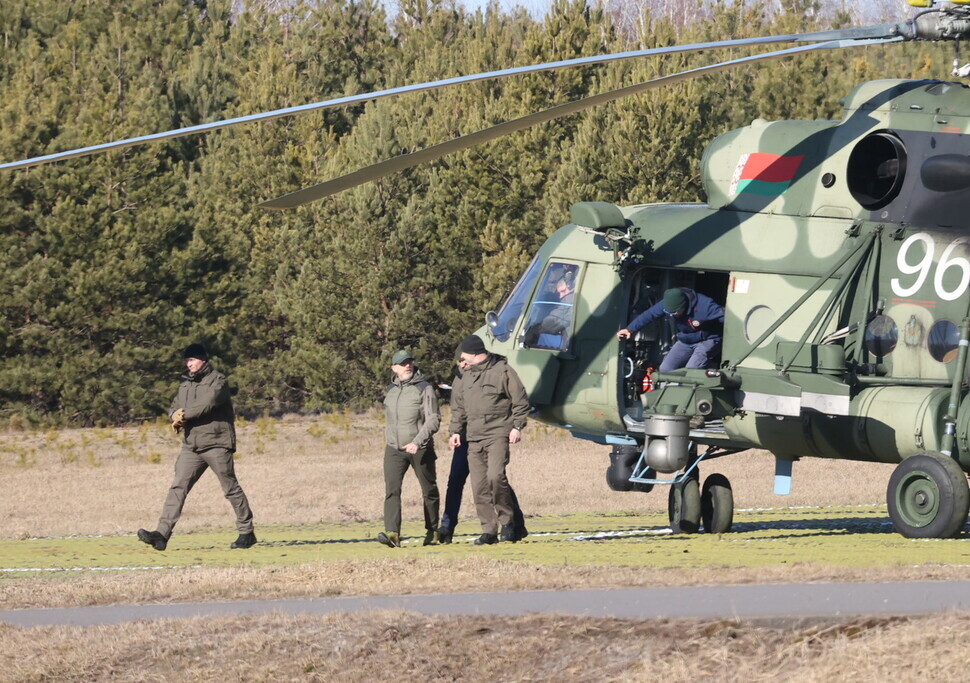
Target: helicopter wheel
(717, 504)
(684, 506)
(928, 497)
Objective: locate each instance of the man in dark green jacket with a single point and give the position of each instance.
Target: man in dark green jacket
(490, 407)
(411, 409)
(202, 413)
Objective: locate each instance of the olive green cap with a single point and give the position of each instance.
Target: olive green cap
(401, 356)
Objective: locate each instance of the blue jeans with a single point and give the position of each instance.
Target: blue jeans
(456, 486)
(699, 355)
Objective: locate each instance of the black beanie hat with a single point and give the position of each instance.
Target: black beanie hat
(195, 351)
(473, 344)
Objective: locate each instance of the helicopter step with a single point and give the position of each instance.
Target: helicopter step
(708, 429)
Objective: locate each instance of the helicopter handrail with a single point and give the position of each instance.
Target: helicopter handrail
(827, 311)
(953, 408)
(901, 381)
(711, 378)
(808, 293)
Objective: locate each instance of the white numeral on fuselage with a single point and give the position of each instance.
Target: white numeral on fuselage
(921, 269)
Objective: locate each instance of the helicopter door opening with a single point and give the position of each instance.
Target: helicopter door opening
(643, 354)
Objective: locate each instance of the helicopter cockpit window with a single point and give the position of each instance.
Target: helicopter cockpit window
(511, 309)
(944, 341)
(551, 317)
(881, 336)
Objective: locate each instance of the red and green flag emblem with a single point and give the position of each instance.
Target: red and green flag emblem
(765, 174)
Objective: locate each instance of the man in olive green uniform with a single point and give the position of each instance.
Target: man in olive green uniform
(489, 406)
(411, 408)
(202, 412)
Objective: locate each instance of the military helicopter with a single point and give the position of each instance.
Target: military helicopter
(837, 251)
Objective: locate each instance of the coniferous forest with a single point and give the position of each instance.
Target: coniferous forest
(112, 263)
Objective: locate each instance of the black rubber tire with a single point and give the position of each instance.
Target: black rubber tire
(928, 497)
(684, 507)
(717, 504)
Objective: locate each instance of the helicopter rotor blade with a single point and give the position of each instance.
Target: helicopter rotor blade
(852, 34)
(404, 161)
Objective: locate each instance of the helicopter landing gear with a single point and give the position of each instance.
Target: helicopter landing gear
(928, 497)
(684, 506)
(623, 460)
(717, 504)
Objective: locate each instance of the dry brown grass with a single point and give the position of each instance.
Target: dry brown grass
(396, 646)
(328, 468)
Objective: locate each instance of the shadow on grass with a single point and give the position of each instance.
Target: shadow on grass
(799, 528)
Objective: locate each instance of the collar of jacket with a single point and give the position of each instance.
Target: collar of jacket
(415, 378)
(484, 365)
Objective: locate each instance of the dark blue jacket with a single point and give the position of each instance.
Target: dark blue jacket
(703, 318)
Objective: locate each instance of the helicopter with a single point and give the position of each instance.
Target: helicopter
(836, 249)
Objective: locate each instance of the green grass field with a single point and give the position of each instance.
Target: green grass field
(834, 536)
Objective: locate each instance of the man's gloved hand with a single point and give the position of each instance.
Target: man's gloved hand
(178, 420)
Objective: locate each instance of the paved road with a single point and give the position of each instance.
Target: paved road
(747, 602)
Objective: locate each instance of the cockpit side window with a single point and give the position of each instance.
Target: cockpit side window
(550, 320)
(503, 324)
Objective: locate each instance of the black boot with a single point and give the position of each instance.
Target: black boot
(445, 535)
(486, 539)
(244, 541)
(153, 538)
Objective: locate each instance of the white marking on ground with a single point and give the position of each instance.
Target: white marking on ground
(617, 534)
(811, 507)
(95, 569)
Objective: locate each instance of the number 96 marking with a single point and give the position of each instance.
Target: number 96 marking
(920, 262)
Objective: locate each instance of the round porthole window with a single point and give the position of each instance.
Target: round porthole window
(757, 322)
(944, 340)
(881, 336)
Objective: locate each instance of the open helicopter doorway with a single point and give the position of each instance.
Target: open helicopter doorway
(644, 352)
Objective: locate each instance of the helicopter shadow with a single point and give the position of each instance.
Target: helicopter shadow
(796, 529)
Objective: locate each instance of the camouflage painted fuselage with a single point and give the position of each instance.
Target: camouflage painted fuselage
(839, 250)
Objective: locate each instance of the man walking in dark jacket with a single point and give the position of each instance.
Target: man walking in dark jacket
(202, 412)
(458, 475)
(489, 408)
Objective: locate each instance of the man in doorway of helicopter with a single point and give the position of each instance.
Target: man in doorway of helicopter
(457, 477)
(489, 409)
(411, 409)
(699, 321)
